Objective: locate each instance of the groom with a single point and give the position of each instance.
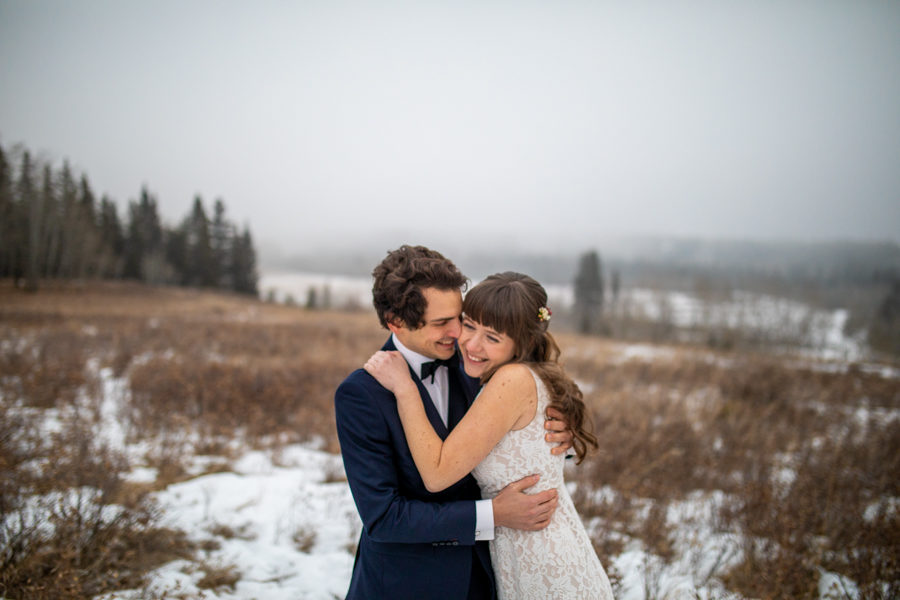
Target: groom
(416, 544)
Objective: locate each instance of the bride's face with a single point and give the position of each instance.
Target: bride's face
(483, 348)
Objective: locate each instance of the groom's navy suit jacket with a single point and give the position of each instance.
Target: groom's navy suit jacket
(414, 544)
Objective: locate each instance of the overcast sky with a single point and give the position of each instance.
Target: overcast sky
(548, 123)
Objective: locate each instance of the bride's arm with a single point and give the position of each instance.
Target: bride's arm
(510, 396)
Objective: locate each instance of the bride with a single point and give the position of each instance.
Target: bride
(506, 344)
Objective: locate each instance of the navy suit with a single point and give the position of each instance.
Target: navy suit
(414, 544)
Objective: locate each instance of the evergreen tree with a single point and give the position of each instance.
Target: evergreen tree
(82, 243)
(312, 298)
(615, 285)
(589, 292)
(12, 224)
(201, 267)
(177, 254)
(134, 244)
(221, 233)
(56, 228)
(144, 257)
(50, 241)
(243, 263)
(112, 240)
(90, 245)
(30, 201)
(68, 247)
(87, 202)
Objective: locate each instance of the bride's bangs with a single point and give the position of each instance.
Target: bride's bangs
(493, 306)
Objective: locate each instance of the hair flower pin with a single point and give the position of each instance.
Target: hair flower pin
(544, 313)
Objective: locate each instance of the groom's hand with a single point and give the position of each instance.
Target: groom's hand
(515, 509)
(558, 432)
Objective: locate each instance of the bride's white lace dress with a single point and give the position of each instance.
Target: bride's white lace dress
(558, 561)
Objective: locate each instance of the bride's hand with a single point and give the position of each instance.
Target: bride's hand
(390, 369)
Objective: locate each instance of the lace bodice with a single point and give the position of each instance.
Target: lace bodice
(559, 561)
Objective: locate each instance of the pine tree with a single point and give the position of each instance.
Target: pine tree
(312, 298)
(134, 243)
(56, 228)
(112, 239)
(80, 239)
(144, 258)
(87, 201)
(243, 263)
(589, 292)
(89, 232)
(12, 224)
(221, 234)
(30, 201)
(68, 247)
(201, 267)
(177, 253)
(50, 243)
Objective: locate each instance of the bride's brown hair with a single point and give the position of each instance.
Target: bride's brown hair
(511, 303)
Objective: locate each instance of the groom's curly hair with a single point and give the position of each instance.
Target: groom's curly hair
(400, 278)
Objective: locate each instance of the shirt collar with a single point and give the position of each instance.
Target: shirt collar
(414, 359)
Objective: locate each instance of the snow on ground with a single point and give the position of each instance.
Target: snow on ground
(284, 527)
(285, 524)
(702, 550)
(289, 533)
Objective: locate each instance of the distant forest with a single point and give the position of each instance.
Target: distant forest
(52, 227)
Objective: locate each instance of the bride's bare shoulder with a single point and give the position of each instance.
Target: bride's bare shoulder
(514, 374)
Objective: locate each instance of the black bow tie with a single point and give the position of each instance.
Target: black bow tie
(430, 367)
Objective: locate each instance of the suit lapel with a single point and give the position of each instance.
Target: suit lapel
(463, 390)
(430, 410)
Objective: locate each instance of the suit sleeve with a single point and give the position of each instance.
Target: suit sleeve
(372, 472)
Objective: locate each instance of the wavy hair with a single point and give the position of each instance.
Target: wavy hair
(509, 303)
(400, 278)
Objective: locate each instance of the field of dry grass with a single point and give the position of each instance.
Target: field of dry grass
(803, 458)
(806, 454)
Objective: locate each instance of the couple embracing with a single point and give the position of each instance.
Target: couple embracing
(444, 436)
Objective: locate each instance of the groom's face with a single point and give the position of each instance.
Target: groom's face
(437, 337)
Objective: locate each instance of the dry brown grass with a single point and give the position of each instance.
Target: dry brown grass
(204, 370)
(801, 451)
(219, 577)
(804, 456)
(62, 538)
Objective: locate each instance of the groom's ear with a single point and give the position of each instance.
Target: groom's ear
(394, 324)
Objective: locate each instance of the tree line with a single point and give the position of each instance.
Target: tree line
(53, 227)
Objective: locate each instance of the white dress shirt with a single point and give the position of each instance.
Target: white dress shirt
(438, 389)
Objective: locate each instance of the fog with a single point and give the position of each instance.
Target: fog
(514, 125)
